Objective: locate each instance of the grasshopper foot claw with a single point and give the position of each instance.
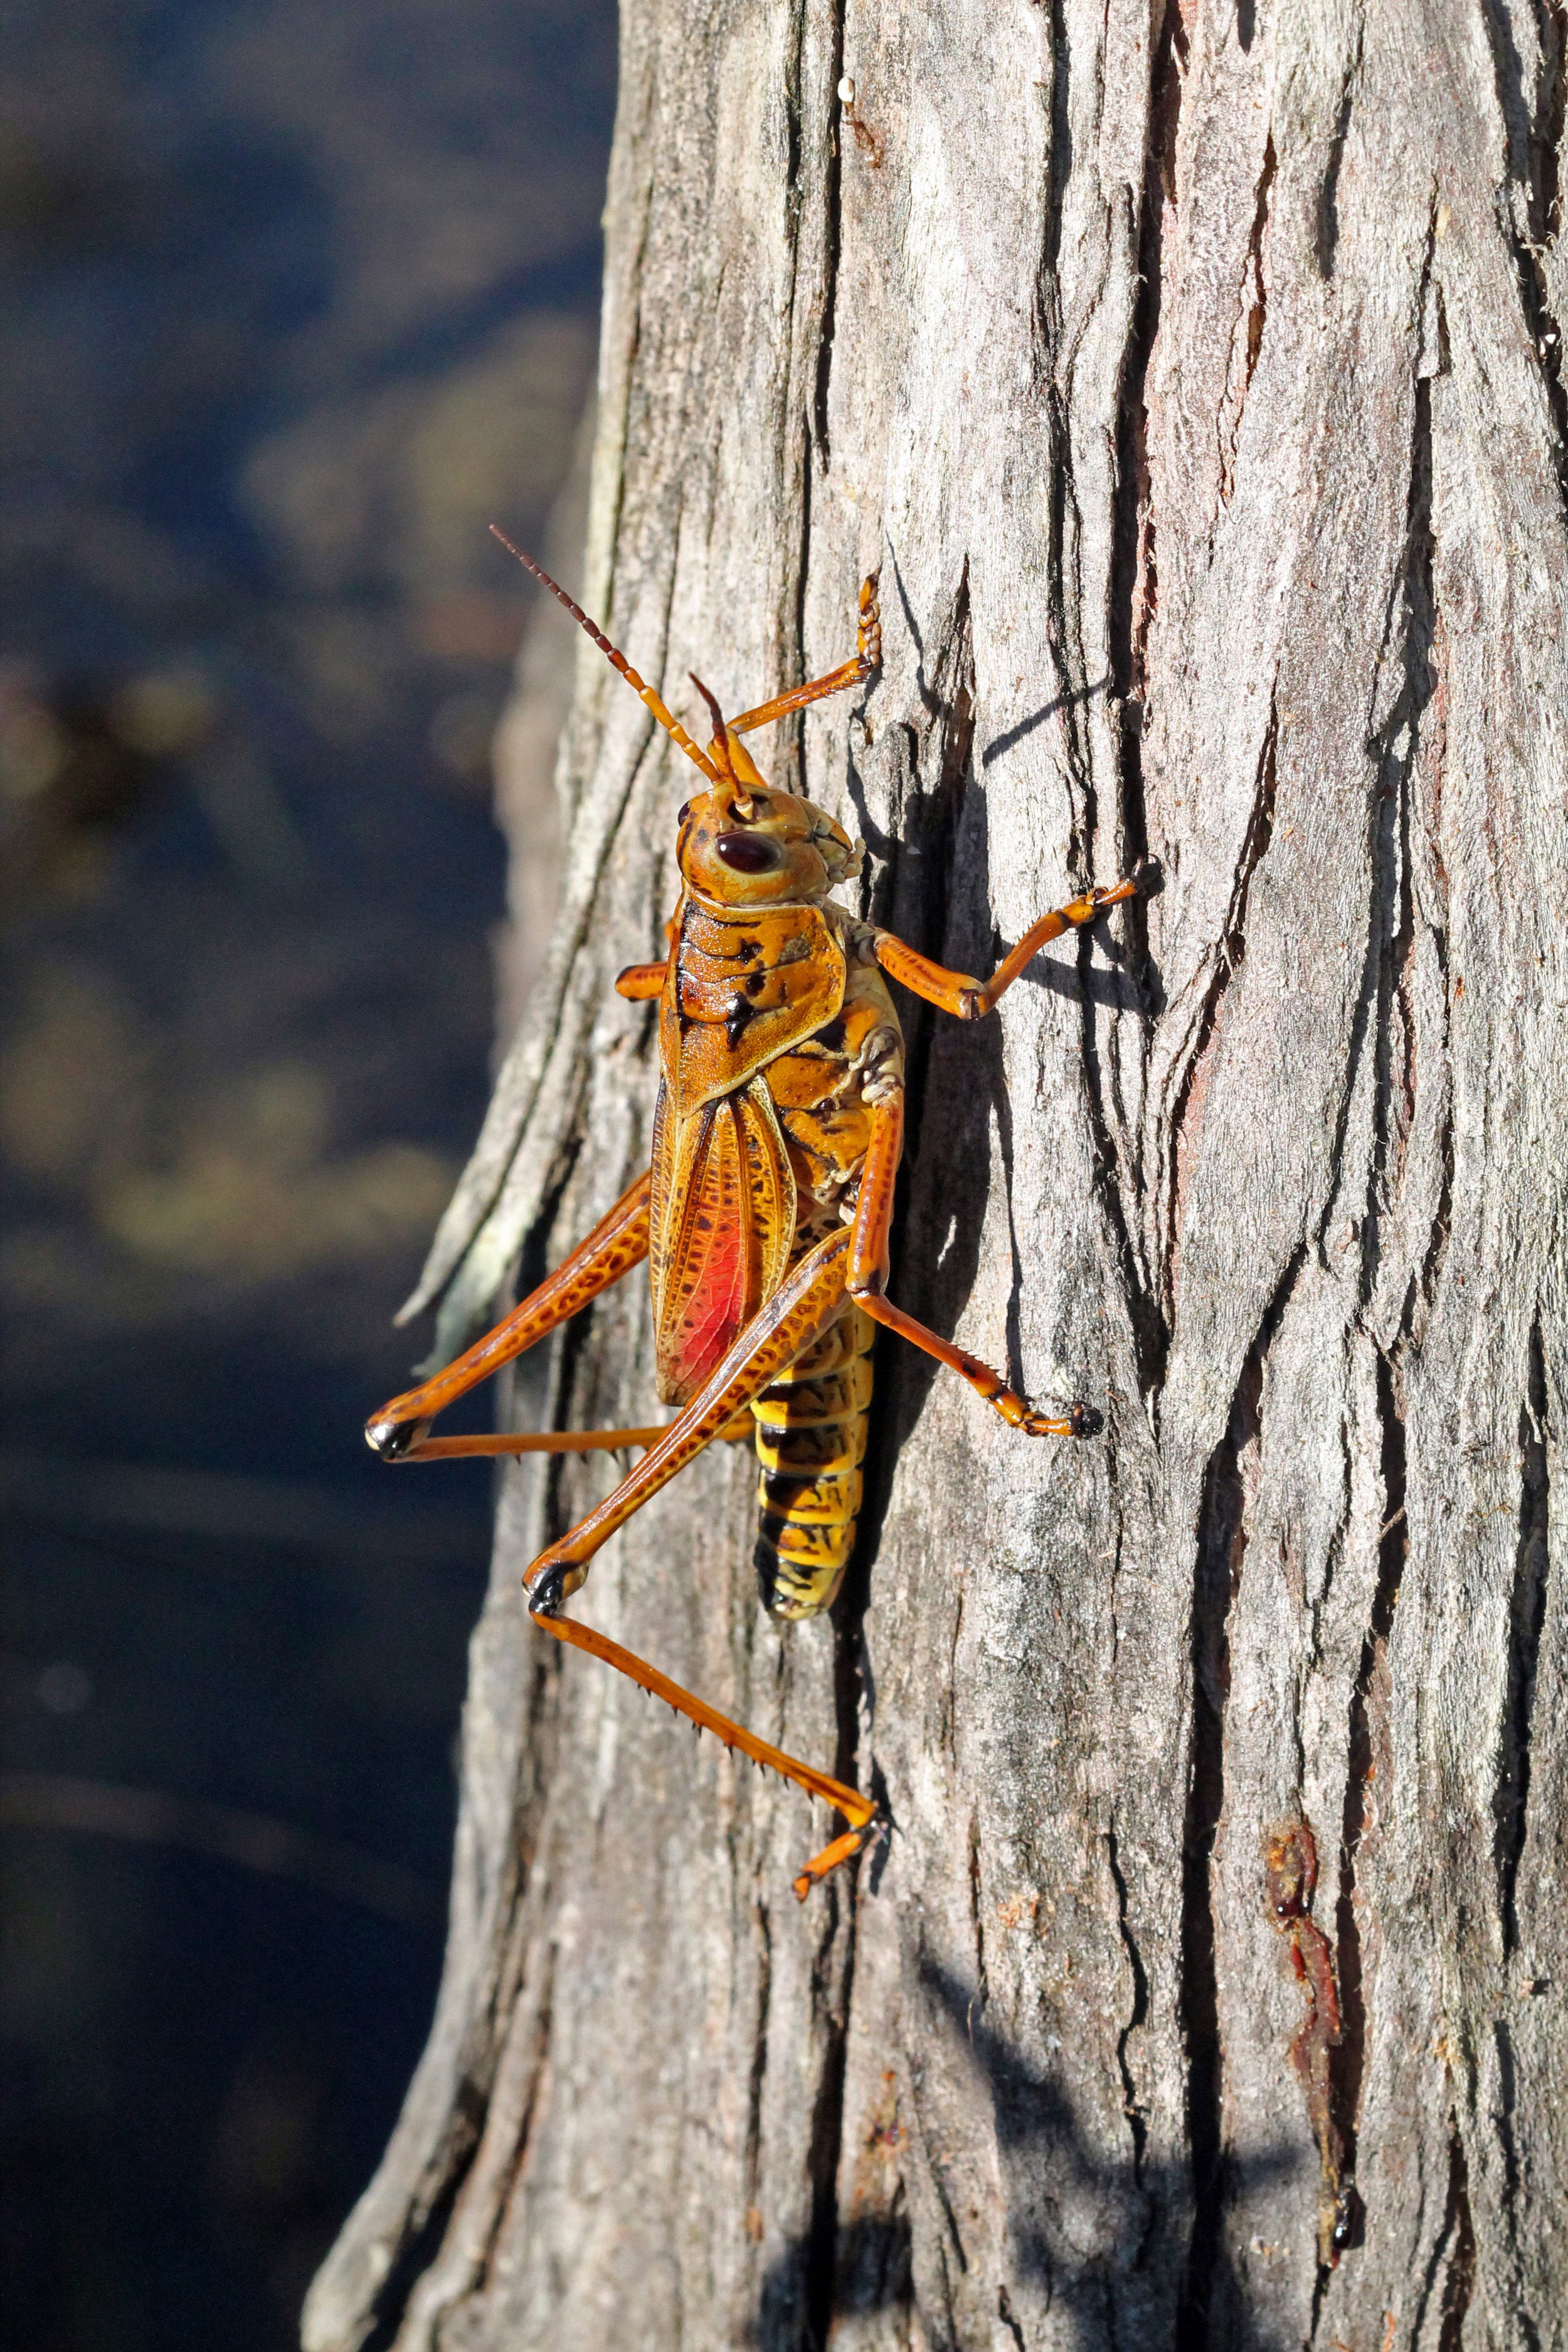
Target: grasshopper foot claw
(393, 1439)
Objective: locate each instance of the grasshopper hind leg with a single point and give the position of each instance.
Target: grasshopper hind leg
(808, 1308)
(867, 1819)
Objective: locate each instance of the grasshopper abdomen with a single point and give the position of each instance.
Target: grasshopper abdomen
(811, 1427)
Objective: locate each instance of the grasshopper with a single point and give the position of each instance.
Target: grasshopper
(764, 1216)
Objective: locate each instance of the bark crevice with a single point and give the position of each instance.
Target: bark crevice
(822, 2248)
(1551, 98)
(1533, 127)
(1508, 2144)
(1326, 232)
(763, 1940)
(1222, 1534)
(1453, 2261)
(1252, 318)
(1137, 2016)
(1133, 597)
(1526, 1615)
(832, 246)
(1061, 149)
(1365, 1737)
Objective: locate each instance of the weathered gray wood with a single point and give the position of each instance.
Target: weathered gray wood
(1195, 382)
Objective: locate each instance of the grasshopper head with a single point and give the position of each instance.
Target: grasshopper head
(785, 849)
(746, 843)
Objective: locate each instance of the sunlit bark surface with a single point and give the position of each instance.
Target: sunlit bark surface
(1194, 380)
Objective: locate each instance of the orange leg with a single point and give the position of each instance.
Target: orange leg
(534, 1440)
(867, 1277)
(971, 1000)
(617, 1243)
(639, 981)
(868, 658)
(796, 1312)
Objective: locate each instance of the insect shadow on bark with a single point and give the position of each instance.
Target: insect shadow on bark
(933, 888)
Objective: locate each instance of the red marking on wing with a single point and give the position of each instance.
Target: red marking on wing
(710, 1275)
(713, 1311)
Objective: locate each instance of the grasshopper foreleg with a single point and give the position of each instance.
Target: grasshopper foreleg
(863, 663)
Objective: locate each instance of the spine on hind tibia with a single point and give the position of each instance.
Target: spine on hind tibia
(811, 1441)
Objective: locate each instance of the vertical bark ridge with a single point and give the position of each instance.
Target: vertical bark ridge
(528, 2063)
(1428, 648)
(1192, 1071)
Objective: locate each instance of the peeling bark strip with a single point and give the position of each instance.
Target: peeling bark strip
(1194, 377)
(1291, 1880)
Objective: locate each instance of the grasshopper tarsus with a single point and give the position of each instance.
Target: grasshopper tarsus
(545, 1590)
(393, 1440)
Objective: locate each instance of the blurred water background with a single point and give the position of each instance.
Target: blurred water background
(296, 299)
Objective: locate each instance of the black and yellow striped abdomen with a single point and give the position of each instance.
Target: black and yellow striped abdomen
(811, 1441)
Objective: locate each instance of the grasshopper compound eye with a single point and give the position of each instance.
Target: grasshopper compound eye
(748, 853)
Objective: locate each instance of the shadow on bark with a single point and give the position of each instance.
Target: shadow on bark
(873, 2263)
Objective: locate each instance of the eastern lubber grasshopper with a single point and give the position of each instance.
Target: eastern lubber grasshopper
(764, 1217)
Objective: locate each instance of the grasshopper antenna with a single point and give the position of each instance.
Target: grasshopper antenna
(741, 800)
(616, 660)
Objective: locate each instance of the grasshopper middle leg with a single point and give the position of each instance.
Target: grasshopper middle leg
(867, 1277)
(617, 1243)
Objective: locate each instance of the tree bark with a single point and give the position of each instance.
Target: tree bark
(1194, 378)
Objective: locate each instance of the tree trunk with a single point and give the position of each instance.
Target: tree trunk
(1194, 380)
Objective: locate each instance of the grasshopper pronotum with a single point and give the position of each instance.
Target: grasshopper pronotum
(764, 1216)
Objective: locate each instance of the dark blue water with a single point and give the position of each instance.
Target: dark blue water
(262, 267)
